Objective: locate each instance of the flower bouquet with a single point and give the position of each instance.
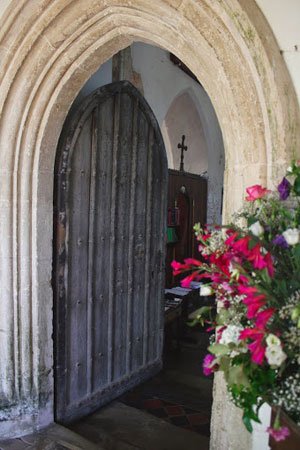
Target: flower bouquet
(253, 270)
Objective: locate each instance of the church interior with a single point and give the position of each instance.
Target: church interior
(179, 393)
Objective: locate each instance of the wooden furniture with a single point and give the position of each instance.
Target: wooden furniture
(187, 205)
(293, 441)
(173, 322)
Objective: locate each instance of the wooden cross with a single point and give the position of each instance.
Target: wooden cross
(183, 149)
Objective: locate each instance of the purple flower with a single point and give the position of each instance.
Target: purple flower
(208, 365)
(279, 434)
(280, 241)
(284, 189)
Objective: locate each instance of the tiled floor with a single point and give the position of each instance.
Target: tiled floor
(145, 419)
(175, 413)
(180, 394)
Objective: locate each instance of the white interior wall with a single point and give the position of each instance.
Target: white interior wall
(284, 19)
(102, 77)
(162, 83)
(181, 119)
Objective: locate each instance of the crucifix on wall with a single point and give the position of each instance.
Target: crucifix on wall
(183, 149)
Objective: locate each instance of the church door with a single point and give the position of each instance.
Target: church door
(109, 249)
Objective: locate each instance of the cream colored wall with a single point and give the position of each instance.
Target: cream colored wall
(3, 5)
(284, 19)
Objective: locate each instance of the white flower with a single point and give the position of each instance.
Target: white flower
(231, 335)
(272, 340)
(256, 229)
(292, 236)
(234, 272)
(205, 291)
(220, 305)
(275, 355)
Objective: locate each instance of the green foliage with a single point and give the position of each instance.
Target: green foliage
(254, 269)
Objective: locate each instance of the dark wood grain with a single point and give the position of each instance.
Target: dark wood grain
(109, 247)
(192, 205)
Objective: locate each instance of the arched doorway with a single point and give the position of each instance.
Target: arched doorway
(49, 50)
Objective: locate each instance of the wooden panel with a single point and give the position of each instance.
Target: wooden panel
(102, 243)
(111, 178)
(79, 178)
(193, 204)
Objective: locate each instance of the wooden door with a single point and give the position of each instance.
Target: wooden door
(109, 250)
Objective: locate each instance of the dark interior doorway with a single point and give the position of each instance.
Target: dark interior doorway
(187, 205)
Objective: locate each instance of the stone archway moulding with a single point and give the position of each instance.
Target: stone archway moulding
(48, 50)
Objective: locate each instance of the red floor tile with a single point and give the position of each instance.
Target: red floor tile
(197, 419)
(175, 410)
(153, 403)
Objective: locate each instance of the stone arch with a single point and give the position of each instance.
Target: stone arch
(48, 50)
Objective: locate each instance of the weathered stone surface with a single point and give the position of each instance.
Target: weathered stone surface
(128, 428)
(48, 50)
(53, 437)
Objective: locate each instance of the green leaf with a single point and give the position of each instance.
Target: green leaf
(251, 414)
(193, 323)
(247, 423)
(297, 185)
(224, 364)
(223, 316)
(236, 375)
(200, 312)
(297, 251)
(218, 349)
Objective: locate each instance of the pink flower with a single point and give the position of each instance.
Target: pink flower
(243, 279)
(216, 278)
(208, 365)
(258, 351)
(269, 262)
(257, 348)
(219, 333)
(279, 434)
(185, 283)
(247, 290)
(263, 317)
(226, 286)
(251, 333)
(231, 238)
(222, 262)
(257, 258)
(255, 192)
(242, 245)
(178, 267)
(254, 304)
(193, 262)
